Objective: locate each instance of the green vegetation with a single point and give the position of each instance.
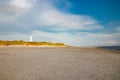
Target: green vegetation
(25, 43)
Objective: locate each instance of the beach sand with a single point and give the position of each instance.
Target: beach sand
(58, 63)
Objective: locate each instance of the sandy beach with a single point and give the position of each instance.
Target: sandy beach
(58, 63)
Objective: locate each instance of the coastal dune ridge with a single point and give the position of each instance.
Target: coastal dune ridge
(59, 63)
(21, 43)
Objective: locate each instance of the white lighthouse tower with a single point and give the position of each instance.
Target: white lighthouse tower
(30, 38)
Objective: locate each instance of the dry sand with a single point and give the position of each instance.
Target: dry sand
(35, 63)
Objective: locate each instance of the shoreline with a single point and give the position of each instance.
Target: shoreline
(110, 50)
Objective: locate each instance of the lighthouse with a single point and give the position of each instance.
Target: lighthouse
(30, 38)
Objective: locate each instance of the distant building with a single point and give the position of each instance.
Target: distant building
(30, 38)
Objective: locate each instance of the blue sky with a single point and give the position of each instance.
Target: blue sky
(74, 22)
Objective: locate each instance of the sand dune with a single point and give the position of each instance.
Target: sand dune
(65, 63)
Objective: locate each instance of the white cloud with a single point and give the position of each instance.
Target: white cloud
(79, 38)
(76, 39)
(11, 9)
(49, 16)
(15, 36)
(21, 3)
(113, 42)
(118, 29)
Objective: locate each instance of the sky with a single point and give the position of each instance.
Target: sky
(73, 22)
